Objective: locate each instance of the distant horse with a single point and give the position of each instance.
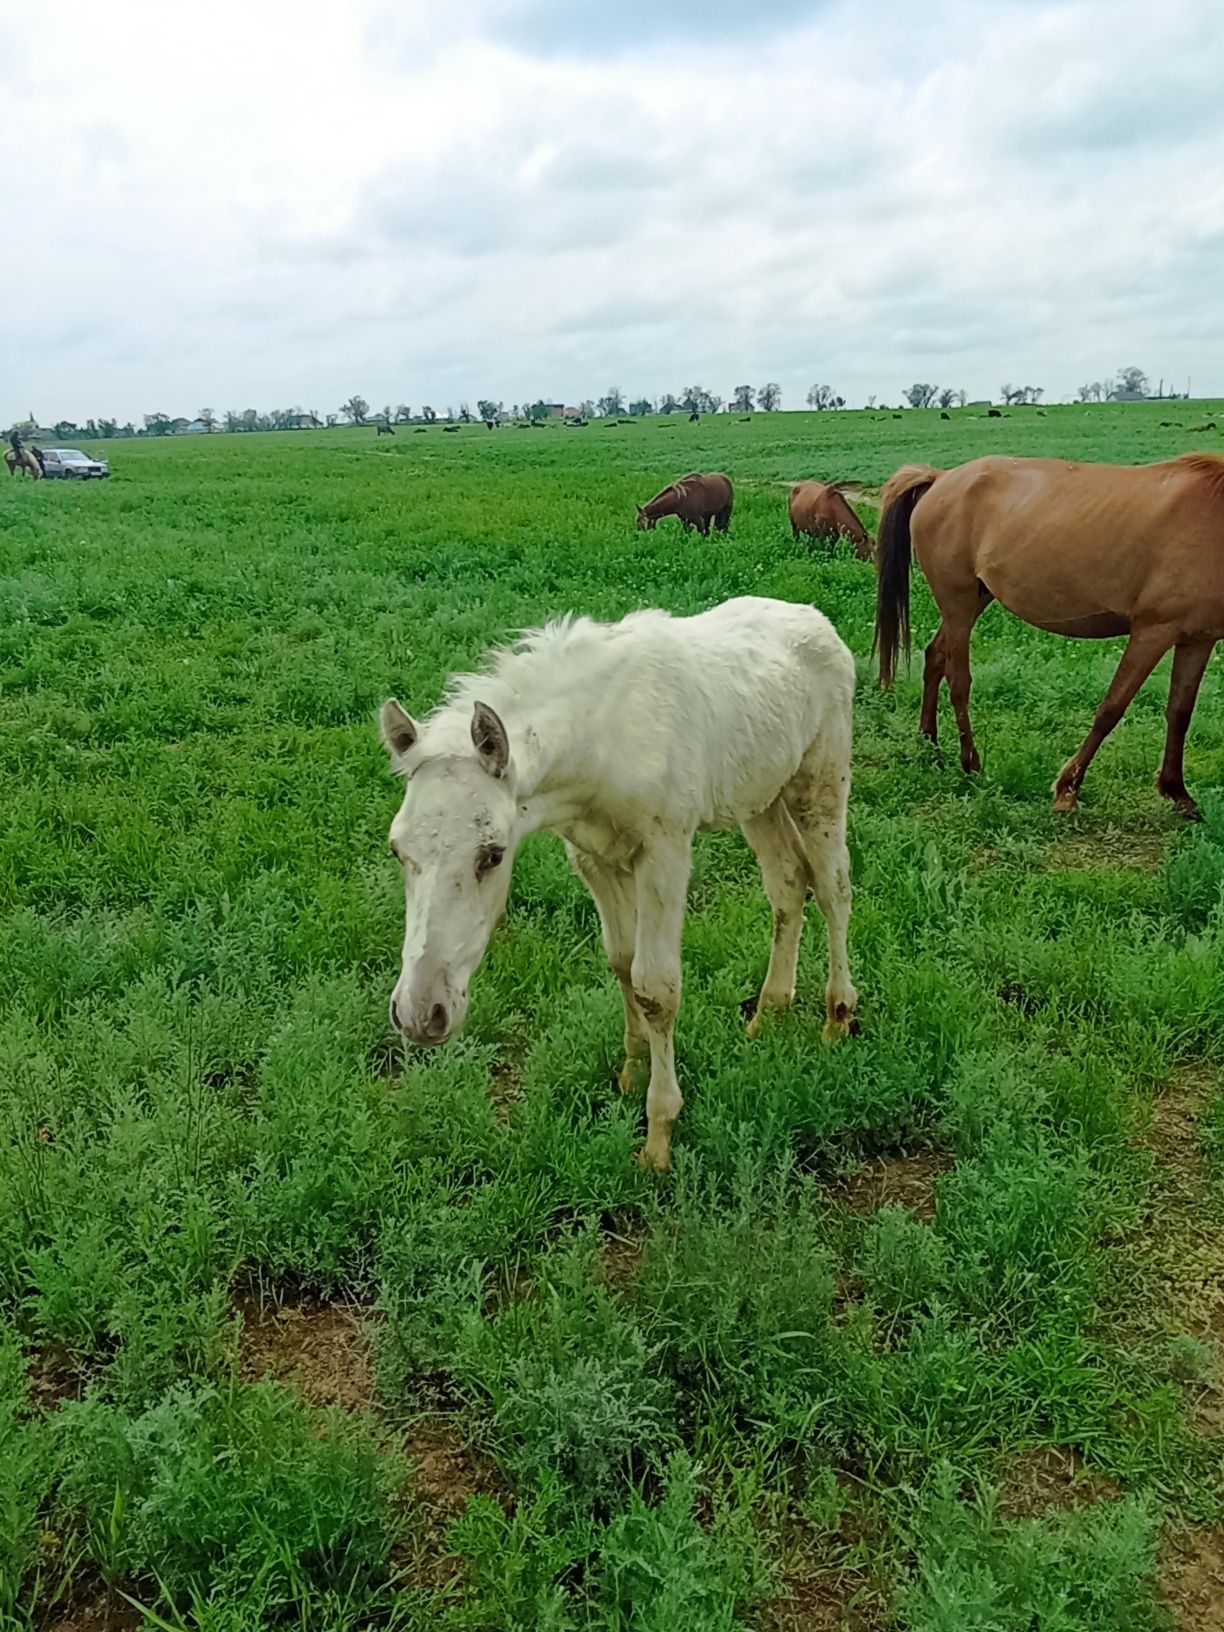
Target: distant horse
(383, 429)
(625, 739)
(1090, 551)
(821, 510)
(26, 462)
(697, 499)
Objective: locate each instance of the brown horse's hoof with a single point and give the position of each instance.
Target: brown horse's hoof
(1066, 799)
(1188, 808)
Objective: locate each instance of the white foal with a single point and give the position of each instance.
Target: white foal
(624, 739)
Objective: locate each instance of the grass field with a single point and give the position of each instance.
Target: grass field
(300, 1327)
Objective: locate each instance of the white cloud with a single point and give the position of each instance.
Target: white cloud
(270, 204)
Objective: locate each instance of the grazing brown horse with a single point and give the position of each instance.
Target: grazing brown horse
(1090, 551)
(697, 499)
(821, 510)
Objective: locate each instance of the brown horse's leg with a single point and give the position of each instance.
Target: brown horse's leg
(1189, 663)
(1144, 650)
(956, 671)
(932, 675)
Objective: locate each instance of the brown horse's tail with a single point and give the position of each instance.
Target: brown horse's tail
(892, 625)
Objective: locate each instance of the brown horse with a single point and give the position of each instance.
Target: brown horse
(1090, 551)
(697, 499)
(821, 510)
(25, 462)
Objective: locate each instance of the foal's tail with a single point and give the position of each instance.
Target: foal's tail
(892, 625)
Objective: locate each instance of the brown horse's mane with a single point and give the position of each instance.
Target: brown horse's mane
(1210, 466)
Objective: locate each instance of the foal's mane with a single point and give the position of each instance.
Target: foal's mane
(1210, 466)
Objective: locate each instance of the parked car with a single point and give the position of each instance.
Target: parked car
(71, 465)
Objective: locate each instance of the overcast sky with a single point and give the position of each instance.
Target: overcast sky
(270, 203)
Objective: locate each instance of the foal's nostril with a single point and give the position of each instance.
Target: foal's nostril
(438, 1018)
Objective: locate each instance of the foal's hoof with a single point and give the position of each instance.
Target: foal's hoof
(631, 1074)
(1066, 800)
(655, 1158)
(843, 1022)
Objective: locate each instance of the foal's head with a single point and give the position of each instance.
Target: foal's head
(454, 838)
(646, 522)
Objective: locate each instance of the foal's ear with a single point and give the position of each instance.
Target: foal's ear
(490, 740)
(397, 729)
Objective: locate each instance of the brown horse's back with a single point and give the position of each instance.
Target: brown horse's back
(698, 498)
(1080, 549)
(822, 511)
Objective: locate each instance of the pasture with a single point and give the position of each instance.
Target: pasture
(301, 1326)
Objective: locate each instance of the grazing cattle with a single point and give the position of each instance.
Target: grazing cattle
(944, 414)
(1089, 551)
(697, 499)
(1209, 426)
(625, 739)
(450, 430)
(745, 418)
(822, 511)
(383, 429)
(994, 413)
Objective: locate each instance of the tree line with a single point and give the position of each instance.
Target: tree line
(1130, 385)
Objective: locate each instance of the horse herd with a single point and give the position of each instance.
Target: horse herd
(625, 739)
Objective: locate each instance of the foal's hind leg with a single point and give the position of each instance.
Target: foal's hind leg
(784, 873)
(816, 800)
(1144, 650)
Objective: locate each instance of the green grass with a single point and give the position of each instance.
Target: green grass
(688, 1395)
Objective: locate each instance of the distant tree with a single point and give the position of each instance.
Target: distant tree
(428, 414)
(711, 402)
(157, 424)
(539, 410)
(487, 408)
(331, 420)
(449, 415)
(692, 397)
(465, 413)
(355, 410)
(946, 397)
(742, 399)
(1084, 393)
(64, 428)
(250, 419)
(769, 397)
(962, 397)
(871, 400)
(108, 428)
(668, 403)
(208, 419)
(821, 397)
(1131, 385)
(403, 414)
(232, 419)
(612, 403)
(586, 409)
(641, 407)
(919, 395)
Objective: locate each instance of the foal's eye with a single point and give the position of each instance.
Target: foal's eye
(487, 858)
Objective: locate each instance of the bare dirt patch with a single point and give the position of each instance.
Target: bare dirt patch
(54, 1378)
(447, 1471)
(840, 1601)
(321, 1349)
(95, 1608)
(1192, 1576)
(1049, 1477)
(620, 1257)
(1142, 852)
(905, 1181)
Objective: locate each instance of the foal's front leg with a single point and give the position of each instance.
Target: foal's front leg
(661, 877)
(612, 890)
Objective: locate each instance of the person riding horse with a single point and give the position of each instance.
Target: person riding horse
(15, 441)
